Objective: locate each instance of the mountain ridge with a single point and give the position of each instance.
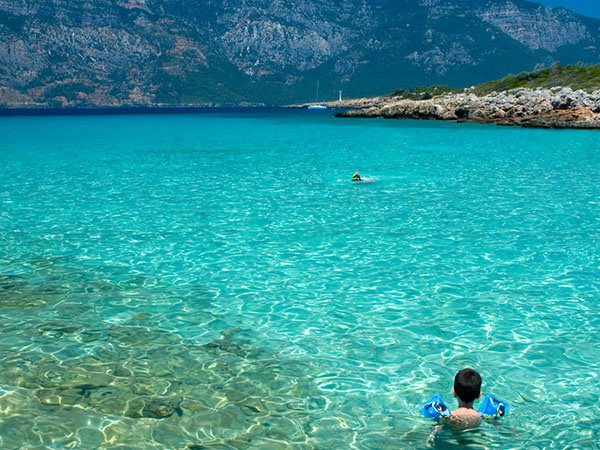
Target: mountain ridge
(176, 52)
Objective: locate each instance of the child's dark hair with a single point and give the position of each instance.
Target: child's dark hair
(467, 385)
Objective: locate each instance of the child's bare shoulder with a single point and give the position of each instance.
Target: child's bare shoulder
(463, 418)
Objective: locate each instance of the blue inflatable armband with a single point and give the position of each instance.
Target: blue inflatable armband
(435, 408)
(492, 408)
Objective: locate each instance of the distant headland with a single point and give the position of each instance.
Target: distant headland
(556, 97)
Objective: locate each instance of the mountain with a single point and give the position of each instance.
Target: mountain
(173, 52)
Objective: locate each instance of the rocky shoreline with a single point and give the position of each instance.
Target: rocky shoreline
(540, 108)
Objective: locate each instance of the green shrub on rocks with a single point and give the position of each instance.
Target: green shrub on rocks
(576, 77)
(423, 92)
(573, 76)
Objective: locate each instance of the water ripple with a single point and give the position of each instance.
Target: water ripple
(213, 282)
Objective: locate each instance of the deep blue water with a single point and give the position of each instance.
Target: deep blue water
(215, 280)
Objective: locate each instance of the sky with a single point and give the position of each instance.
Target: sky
(586, 7)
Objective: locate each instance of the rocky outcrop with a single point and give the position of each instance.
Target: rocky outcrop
(540, 108)
(581, 117)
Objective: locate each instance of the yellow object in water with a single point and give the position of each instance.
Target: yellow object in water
(356, 177)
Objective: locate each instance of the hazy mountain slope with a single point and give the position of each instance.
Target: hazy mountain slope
(109, 52)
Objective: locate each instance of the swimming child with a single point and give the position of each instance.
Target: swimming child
(356, 177)
(467, 389)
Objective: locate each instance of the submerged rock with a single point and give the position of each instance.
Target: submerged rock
(22, 292)
(228, 390)
(110, 400)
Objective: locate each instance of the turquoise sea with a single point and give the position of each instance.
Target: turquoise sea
(214, 281)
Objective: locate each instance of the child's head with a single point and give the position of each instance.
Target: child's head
(467, 385)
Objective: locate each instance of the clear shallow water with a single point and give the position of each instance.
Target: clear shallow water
(213, 281)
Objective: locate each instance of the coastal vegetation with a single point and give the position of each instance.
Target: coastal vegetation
(576, 77)
(423, 92)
